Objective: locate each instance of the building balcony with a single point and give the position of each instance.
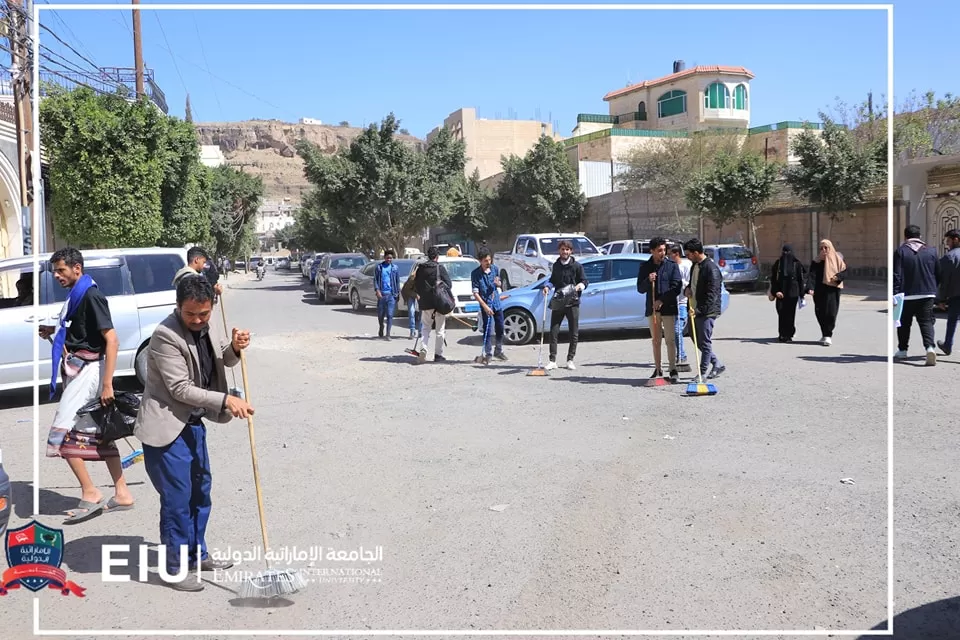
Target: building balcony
(109, 80)
(726, 114)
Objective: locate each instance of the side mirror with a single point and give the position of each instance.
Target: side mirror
(531, 253)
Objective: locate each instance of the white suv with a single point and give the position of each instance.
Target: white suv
(138, 284)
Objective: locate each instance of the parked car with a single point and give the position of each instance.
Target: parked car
(737, 263)
(630, 246)
(6, 500)
(138, 284)
(282, 264)
(533, 255)
(460, 270)
(240, 265)
(361, 286)
(609, 303)
(333, 275)
(314, 265)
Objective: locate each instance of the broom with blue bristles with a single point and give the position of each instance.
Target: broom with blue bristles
(698, 388)
(132, 458)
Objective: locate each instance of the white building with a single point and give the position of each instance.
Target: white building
(211, 155)
(310, 121)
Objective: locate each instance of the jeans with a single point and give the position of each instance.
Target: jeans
(413, 313)
(678, 327)
(386, 307)
(485, 324)
(572, 314)
(704, 328)
(953, 314)
(922, 310)
(180, 472)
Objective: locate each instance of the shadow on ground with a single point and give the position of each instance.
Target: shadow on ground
(845, 358)
(938, 620)
(52, 503)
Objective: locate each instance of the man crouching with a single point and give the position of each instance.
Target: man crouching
(186, 382)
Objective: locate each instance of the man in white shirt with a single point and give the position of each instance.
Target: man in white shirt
(676, 254)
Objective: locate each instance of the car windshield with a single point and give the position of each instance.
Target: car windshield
(348, 263)
(460, 270)
(404, 267)
(735, 253)
(581, 246)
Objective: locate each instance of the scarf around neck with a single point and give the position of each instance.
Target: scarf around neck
(832, 264)
(70, 308)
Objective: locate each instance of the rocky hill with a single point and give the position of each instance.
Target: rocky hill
(267, 148)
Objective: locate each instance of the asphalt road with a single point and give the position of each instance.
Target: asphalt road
(617, 506)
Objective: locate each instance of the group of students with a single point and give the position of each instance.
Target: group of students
(671, 288)
(790, 282)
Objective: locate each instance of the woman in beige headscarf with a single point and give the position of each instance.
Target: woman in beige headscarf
(824, 282)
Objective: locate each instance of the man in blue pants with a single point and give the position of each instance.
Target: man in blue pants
(386, 282)
(186, 383)
(486, 290)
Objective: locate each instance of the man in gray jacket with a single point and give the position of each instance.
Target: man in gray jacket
(950, 287)
(186, 382)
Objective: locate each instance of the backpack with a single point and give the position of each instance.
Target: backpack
(445, 304)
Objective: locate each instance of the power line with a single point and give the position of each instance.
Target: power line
(68, 46)
(207, 64)
(69, 30)
(174, 60)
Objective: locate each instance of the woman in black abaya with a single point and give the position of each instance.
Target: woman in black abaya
(787, 279)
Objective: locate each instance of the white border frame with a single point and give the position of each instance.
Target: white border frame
(37, 8)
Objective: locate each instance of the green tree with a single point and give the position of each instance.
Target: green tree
(379, 191)
(313, 229)
(666, 168)
(736, 186)
(185, 193)
(834, 172)
(234, 199)
(107, 165)
(470, 206)
(538, 191)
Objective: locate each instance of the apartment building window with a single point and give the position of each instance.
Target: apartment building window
(717, 96)
(740, 97)
(672, 103)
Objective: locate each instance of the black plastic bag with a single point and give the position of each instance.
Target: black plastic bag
(444, 298)
(116, 419)
(563, 298)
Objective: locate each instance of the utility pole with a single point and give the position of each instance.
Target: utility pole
(137, 50)
(18, 23)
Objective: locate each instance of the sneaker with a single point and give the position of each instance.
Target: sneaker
(674, 376)
(657, 374)
(944, 348)
(826, 341)
(188, 584)
(422, 357)
(717, 372)
(551, 365)
(931, 357)
(570, 365)
(501, 356)
(413, 335)
(439, 359)
(484, 360)
(388, 338)
(900, 355)
(381, 332)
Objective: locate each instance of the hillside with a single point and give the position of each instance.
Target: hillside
(267, 148)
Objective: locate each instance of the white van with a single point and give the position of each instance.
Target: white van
(138, 284)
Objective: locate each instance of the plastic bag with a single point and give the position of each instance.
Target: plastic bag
(565, 297)
(115, 421)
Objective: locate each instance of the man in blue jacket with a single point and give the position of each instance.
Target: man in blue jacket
(661, 277)
(486, 290)
(386, 282)
(916, 274)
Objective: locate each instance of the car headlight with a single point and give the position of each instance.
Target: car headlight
(332, 280)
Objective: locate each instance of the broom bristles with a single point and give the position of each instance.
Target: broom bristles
(272, 583)
(132, 459)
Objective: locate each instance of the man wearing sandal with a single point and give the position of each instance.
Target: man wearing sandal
(186, 382)
(85, 347)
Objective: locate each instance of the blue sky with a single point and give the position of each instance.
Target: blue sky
(358, 66)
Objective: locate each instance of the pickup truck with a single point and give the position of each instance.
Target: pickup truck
(533, 255)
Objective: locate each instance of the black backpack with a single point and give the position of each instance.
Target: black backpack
(445, 304)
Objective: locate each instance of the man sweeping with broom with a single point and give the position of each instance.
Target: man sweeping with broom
(186, 382)
(661, 278)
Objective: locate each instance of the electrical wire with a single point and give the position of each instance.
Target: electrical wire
(156, 14)
(207, 64)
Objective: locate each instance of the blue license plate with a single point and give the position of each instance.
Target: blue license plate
(739, 267)
(473, 307)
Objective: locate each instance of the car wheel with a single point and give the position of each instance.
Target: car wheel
(518, 327)
(327, 299)
(140, 366)
(355, 300)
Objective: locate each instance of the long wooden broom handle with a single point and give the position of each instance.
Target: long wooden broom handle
(253, 456)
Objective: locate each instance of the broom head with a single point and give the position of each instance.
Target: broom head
(539, 372)
(656, 382)
(272, 584)
(701, 389)
(131, 459)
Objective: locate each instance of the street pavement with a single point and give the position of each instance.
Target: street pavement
(576, 501)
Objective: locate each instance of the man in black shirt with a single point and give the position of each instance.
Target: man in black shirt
(85, 354)
(567, 272)
(705, 298)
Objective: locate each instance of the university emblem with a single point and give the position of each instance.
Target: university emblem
(34, 553)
